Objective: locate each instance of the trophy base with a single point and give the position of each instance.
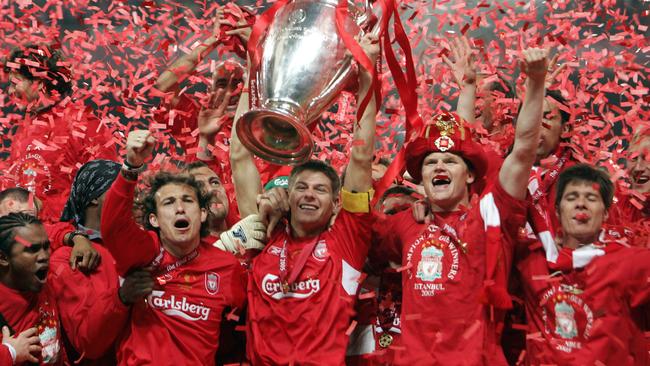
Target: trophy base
(275, 136)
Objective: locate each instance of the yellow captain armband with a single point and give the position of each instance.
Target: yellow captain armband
(357, 202)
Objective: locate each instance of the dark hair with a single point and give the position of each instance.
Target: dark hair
(559, 99)
(195, 165)
(19, 194)
(7, 225)
(162, 179)
(397, 189)
(317, 166)
(587, 174)
(48, 60)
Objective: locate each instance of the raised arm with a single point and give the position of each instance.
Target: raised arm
(515, 170)
(358, 175)
(180, 69)
(245, 175)
(130, 245)
(464, 70)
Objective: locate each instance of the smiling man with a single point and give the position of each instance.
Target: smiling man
(303, 285)
(632, 208)
(579, 293)
(195, 281)
(455, 265)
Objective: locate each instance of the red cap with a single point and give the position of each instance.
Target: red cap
(445, 133)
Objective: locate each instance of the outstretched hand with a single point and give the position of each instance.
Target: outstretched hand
(463, 66)
(213, 117)
(554, 70)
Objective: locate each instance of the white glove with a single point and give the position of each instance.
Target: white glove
(247, 233)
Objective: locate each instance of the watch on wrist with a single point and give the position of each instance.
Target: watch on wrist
(76, 233)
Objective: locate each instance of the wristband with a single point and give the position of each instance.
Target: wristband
(12, 352)
(132, 169)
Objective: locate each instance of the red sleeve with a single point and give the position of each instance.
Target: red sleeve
(89, 307)
(5, 355)
(351, 232)
(56, 233)
(636, 272)
(512, 211)
(386, 243)
(130, 245)
(239, 280)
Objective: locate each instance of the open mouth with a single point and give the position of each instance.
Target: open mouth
(308, 207)
(441, 180)
(182, 224)
(41, 274)
(641, 179)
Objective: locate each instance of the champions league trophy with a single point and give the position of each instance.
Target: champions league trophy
(303, 67)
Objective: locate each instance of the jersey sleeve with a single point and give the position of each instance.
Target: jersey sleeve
(237, 287)
(56, 233)
(5, 355)
(511, 212)
(502, 216)
(635, 273)
(92, 316)
(386, 243)
(352, 228)
(130, 245)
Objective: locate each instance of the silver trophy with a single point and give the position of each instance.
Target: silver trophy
(303, 67)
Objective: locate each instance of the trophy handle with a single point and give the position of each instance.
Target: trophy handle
(366, 19)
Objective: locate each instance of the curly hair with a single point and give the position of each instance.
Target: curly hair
(49, 60)
(7, 225)
(162, 179)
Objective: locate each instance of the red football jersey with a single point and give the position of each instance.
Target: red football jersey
(583, 316)
(444, 320)
(179, 323)
(91, 312)
(308, 322)
(47, 150)
(23, 310)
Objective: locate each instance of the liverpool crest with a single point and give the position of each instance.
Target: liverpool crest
(212, 283)
(430, 265)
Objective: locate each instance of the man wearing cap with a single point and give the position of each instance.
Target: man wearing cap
(454, 265)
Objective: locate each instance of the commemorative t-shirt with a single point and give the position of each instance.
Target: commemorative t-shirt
(309, 322)
(583, 316)
(444, 320)
(179, 322)
(24, 310)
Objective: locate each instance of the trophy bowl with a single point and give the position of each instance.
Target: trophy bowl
(303, 67)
